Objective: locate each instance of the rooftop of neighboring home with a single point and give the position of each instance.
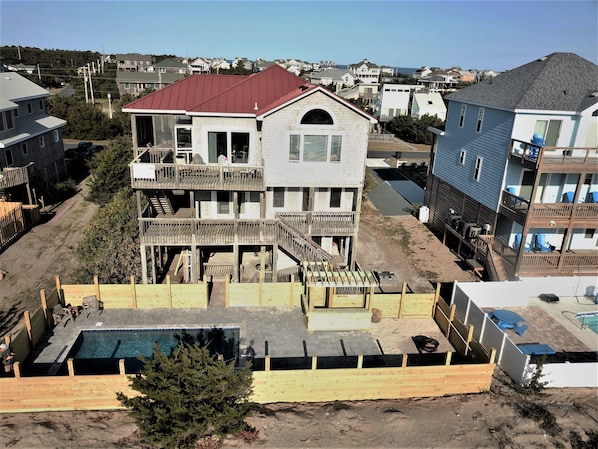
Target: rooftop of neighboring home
(557, 82)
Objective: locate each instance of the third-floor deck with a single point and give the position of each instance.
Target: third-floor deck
(555, 159)
(154, 168)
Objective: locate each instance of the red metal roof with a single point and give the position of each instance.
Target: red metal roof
(226, 94)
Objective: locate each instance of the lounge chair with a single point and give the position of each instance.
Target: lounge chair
(520, 330)
(540, 244)
(517, 244)
(592, 197)
(91, 303)
(514, 202)
(61, 315)
(568, 197)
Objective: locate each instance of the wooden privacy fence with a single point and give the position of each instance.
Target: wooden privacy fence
(406, 305)
(264, 294)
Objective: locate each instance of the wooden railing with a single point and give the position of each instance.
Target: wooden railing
(11, 177)
(551, 211)
(154, 169)
(320, 223)
(299, 245)
(186, 231)
(553, 155)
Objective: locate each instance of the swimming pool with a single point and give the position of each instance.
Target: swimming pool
(589, 320)
(98, 351)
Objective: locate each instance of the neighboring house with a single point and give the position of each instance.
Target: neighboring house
(27, 133)
(366, 93)
(200, 65)
(336, 77)
(220, 64)
(466, 76)
(238, 167)
(429, 103)
(171, 65)
(136, 82)
(243, 63)
(134, 62)
(365, 71)
(394, 100)
(422, 72)
(440, 79)
(29, 69)
(262, 64)
(538, 202)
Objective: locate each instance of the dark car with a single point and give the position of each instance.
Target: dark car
(87, 146)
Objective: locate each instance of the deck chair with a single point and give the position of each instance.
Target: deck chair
(514, 201)
(541, 245)
(517, 244)
(568, 197)
(91, 303)
(592, 197)
(61, 315)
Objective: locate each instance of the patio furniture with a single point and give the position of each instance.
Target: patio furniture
(536, 348)
(539, 244)
(592, 197)
(507, 319)
(549, 298)
(425, 344)
(517, 244)
(61, 315)
(568, 197)
(91, 303)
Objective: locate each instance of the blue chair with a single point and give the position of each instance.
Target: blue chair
(540, 244)
(514, 201)
(592, 197)
(520, 330)
(536, 140)
(517, 244)
(568, 197)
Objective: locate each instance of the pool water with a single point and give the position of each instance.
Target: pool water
(589, 320)
(98, 351)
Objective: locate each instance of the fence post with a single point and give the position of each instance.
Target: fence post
(59, 289)
(492, 355)
(226, 292)
(267, 363)
(96, 283)
(403, 292)
(168, 286)
(42, 294)
(469, 338)
(71, 367)
(449, 356)
(451, 317)
(292, 291)
(360, 361)
(121, 366)
(27, 317)
(403, 360)
(133, 292)
(16, 369)
(314, 362)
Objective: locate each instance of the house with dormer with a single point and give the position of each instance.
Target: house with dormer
(200, 65)
(366, 71)
(514, 174)
(243, 173)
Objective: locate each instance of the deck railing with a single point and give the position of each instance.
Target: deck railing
(551, 211)
(11, 177)
(154, 169)
(320, 223)
(553, 155)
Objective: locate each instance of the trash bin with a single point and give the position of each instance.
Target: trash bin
(424, 214)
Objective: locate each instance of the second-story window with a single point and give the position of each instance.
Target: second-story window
(25, 149)
(29, 109)
(315, 148)
(462, 157)
(42, 142)
(41, 105)
(9, 159)
(278, 197)
(335, 197)
(9, 122)
(478, 168)
(294, 148)
(462, 116)
(478, 126)
(56, 136)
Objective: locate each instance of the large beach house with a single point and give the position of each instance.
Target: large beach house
(247, 176)
(514, 180)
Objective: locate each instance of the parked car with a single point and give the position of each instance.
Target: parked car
(88, 146)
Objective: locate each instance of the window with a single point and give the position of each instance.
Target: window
(9, 123)
(317, 117)
(41, 105)
(278, 197)
(462, 116)
(9, 159)
(1, 123)
(42, 142)
(549, 130)
(478, 168)
(462, 157)
(24, 149)
(335, 197)
(478, 126)
(335, 150)
(217, 144)
(56, 136)
(294, 147)
(590, 233)
(223, 202)
(29, 109)
(127, 85)
(315, 148)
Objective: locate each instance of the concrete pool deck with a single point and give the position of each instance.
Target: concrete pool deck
(279, 331)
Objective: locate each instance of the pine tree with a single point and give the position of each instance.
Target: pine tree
(188, 396)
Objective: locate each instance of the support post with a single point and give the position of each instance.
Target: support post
(71, 367)
(133, 293)
(314, 362)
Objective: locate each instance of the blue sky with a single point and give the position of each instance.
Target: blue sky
(478, 34)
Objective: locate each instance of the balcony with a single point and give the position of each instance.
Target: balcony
(321, 223)
(554, 159)
(154, 169)
(12, 177)
(548, 214)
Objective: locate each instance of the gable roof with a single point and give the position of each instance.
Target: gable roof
(254, 95)
(557, 82)
(14, 87)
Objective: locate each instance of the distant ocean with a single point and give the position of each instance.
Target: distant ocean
(397, 70)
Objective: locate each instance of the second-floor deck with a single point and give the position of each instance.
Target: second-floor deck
(12, 177)
(321, 223)
(154, 169)
(538, 214)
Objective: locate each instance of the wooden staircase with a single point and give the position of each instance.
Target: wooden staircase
(492, 261)
(161, 202)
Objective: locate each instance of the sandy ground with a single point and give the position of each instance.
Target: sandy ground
(501, 418)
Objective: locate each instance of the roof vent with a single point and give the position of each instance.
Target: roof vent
(594, 94)
(303, 88)
(255, 108)
(542, 59)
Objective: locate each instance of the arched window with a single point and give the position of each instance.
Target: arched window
(317, 117)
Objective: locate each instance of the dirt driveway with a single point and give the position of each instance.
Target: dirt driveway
(44, 252)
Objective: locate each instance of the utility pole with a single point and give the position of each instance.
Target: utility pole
(110, 105)
(85, 83)
(39, 75)
(93, 101)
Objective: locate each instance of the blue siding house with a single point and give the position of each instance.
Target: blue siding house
(514, 178)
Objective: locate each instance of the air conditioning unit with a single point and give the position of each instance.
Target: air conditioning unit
(471, 231)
